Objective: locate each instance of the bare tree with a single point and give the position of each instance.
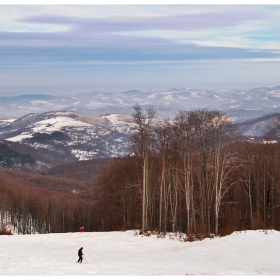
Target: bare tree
(214, 134)
(162, 139)
(186, 146)
(142, 141)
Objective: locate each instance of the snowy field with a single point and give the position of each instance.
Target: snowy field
(124, 253)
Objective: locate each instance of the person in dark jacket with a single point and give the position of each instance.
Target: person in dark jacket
(80, 254)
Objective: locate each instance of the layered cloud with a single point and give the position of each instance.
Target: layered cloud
(81, 37)
(178, 22)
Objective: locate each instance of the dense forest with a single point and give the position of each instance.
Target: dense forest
(194, 174)
(31, 203)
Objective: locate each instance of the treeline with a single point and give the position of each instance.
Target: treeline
(41, 204)
(194, 174)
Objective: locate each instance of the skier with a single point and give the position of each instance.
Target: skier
(80, 254)
(82, 229)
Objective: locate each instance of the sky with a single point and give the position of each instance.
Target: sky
(71, 48)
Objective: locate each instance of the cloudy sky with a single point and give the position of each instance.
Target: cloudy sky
(77, 48)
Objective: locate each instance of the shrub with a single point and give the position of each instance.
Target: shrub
(4, 231)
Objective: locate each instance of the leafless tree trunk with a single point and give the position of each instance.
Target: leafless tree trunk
(142, 139)
(186, 150)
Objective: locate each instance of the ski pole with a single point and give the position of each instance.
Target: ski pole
(85, 259)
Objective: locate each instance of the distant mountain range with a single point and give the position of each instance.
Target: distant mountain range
(240, 104)
(98, 125)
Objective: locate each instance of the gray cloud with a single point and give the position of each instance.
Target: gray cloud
(42, 57)
(86, 32)
(179, 22)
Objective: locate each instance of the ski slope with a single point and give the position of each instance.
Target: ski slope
(125, 253)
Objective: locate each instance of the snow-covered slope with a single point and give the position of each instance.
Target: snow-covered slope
(250, 253)
(258, 126)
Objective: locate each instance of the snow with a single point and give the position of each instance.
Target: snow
(20, 137)
(57, 123)
(76, 103)
(83, 155)
(193, 93)
(185, 98)
(37, 102)
(127, 253)
(153, 95)
(168, 97)
(122, 124)
(50, 125)
(7, 120)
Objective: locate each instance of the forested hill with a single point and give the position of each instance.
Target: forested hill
(46, 184)
(75, 177)
(39, 203)
(85, 170)
(10, 157)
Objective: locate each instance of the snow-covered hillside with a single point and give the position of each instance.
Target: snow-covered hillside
(73, 136)
(258, 126)
(125, 253)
